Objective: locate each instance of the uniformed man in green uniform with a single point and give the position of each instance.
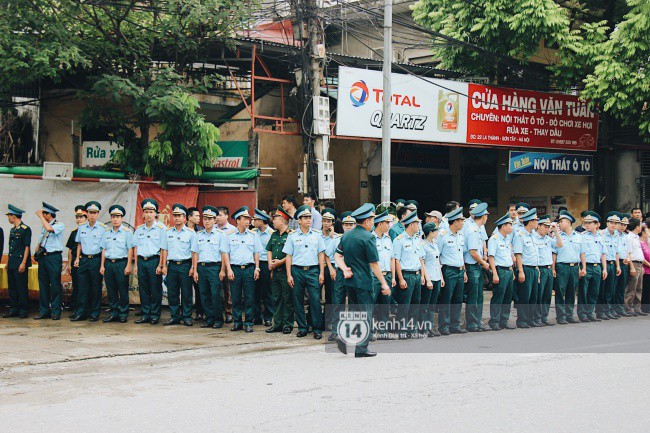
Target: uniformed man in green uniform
(398, 228)
(19, 261)
(280, 289)
(80, 218)
(50, 264)
(305, 263)
(117, 255)
(264, 307)
(358, 259)
(339, 293)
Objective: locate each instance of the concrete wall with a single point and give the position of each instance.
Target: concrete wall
(628, 170)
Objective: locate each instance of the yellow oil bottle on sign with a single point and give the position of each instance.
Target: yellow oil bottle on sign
(447, 111)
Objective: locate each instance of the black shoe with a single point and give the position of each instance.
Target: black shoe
(535, 324)
(154, 321)
(273, 330)
(613, 316)
(187, 322)
(111, 319)
(248, 328)
(228, 318)
(433, 334)
(507, 326)
(143, 320)
(217, 325)
(444, 332)
(9, 315)
(237, 327)
(641, 313)
(495, 327)
(77, 319)
(547, 323)
(602, 317)
(571, 320)
(287, 330)
(317, 335)
(206, 325)
(593, 319)
(523, 326)
(332, 337)
(458, 331)
(93, 319)
(475, 330)
(624, 314)
(171, 322)
(40, 316)
(198, 318)
(485, 328)
(24, 316)
(367, 354)
(341, 346)
(267, 323)
(562, 322)
(123, 319)
(301, 334)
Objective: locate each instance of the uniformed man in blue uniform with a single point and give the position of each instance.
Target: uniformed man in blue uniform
(500, 259)
(243, 249)
(207, 259)
(117, 256)
(148, 240)
(625, 261)
(568, 269)
(178, 268)
(88, 261)
(386, 265)
(594, 267)
(50, 264)
(18, 263)
(358, 259)
(305, 265)
(331, 240)
(527, 256)
(410, 274)
(547, 246)
(605, 307)
(475, 265)
(451, 245)
(264, 308)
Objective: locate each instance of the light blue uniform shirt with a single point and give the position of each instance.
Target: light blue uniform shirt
(571, 248)
(473, 241)
(385, 250)
(470, 224)
(90, 238)
(264, 236)
(178, 243)
(501, 249)
(304, 247)
(432, 260)
(451, 247)
(149, 240)
(54, 241)
(331, 243)
(525, 245)
(408, 250)
(547, 246)
(117, 243)
(623, 247)
(316, 219)
(209, 245)
(242, 247)
(610, 244)
(509, 237)
(592, 246)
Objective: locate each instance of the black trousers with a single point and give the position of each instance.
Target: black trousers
(645, 295)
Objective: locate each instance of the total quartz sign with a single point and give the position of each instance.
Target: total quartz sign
(433, 110)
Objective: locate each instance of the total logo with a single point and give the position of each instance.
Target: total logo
(359, 93)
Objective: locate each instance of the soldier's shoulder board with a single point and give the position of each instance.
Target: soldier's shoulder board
(316, 230)
(160, 225)
(229, 232)
(272, 231)
(23, 226)
(400, 236)
(103, 225)
(127, 229)
(254, 229)
(289, 231)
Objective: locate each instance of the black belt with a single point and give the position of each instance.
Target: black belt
(146, 259)
(456, 268)
(180, 262)
(637, 262)
(53, 253)
(245, 266)
(505, 268)
(611, 262)
(90, 256)
(123, 259)
(570, 264)
(306, 268)
(385, 273)
(531, 266)
(209, 264)
(546, 266)
(411, 272)
(593, 264)
(282, 268)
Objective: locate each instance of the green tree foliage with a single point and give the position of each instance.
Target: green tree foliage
(134, 63)
(602, 46)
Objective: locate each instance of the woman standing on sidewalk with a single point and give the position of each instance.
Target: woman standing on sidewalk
(645, 296)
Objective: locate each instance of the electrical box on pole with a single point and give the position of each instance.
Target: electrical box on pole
(325, 180)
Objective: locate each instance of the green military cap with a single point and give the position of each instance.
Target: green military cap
(261, 215)
(545, 219)
(455, 215)
(179, 209)
(503, 220)
(13, 210)
(591, 216)
(303, 211)
(80, 210)
(381, 217)
(410, 218)
(429, 227)
(49, 208)
(209, 211)
(346, 217)
(242, 212)
(625, 218)
(614, 217)
(365, 211)
(566, 215)
(584, 213)
(149, 203)
(329, 214)
(529, 216)
(400, 202)
(522, 207)
(116, 209)
(472, 203)
(93, 206)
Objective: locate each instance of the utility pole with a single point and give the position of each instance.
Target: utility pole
(388, 96)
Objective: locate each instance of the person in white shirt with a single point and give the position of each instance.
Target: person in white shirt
(634, 286)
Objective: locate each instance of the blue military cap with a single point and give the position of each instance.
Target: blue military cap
(503, 220)
(529, 216)
(473, 203)
(329, 214)
(209, 211)
(412, 204)
(429, 227)
(303, 211)
(566, 215)
(381, 217)
(366, 210)
(625, 218)
(80, 209)
(614, 217)
(346, 217)
(591, 216)
(179, 209)
(261, 215)
(410, 218)
(545, 219)
(116, 209)
(92, 206)
(13, 210)
(455, 215)
(49, 208)
(479, 210)
(149, 203)
(522, 207)
(242, 211)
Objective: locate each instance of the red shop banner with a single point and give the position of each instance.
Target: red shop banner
(520, 118)
(166, 198)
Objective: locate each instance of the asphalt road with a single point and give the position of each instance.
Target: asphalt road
(591, 377)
